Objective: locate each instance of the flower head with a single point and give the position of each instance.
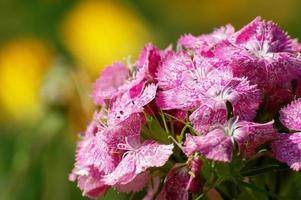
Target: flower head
(211, 97)
(264, 53)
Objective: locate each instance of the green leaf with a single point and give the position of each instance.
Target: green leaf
(153, 130)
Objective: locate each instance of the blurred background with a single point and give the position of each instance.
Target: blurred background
(52, 50)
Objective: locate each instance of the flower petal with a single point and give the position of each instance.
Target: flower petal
(251, 135)
(136, 185)
(124, 105)
(170, 72)
(123, 173)
(205, 42)
(149, 59)
(207, 115)
(152, 154)
(92, 187)
(288, 149)
(106, 86)
(214, 145)
(290, 116)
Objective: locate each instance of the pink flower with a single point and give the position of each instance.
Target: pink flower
(262, 52)
(218, 144)
(288, 149)
(98, 155)
(215, 145)
(117, 79)
(190, 84)
(137, 158)
(290, 116)
(209, 113)
(213, 86)
(92, 162)
(244, 99)
(147, 65)
(251, 135)
(204, 43)
(109, 83)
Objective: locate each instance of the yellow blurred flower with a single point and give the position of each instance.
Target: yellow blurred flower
(99, 32)
(22, 64)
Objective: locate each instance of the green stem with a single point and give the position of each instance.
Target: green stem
(164, 122)
(183, 132)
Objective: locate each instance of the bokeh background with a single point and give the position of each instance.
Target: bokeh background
(52, 50)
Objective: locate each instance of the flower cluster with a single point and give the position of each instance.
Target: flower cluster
(216, 101)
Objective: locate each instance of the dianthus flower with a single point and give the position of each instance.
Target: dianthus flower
(266, 55)
(179, 124)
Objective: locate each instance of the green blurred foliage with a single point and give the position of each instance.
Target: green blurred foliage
(36, 155)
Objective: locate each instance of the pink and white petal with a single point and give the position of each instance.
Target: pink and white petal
(149, 59)
(106, 86)
(127, 128)
(170, 72)
(250, 135)
(265, 31)
(178, 98)
(244, 34)
(216, 146)
(136, 185)
(223, 32)
(91, 187)
(136, 89)
(123, 173)
(206, 41)
(290, 116)
(190, 42)
(191, 144)
(124, 106)
(148, 94)
(282, 68)
(208, 114)
(288, 149)
(217, 36)
(93, 152)
(245, 99)
(264, 53)
(152, 154)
